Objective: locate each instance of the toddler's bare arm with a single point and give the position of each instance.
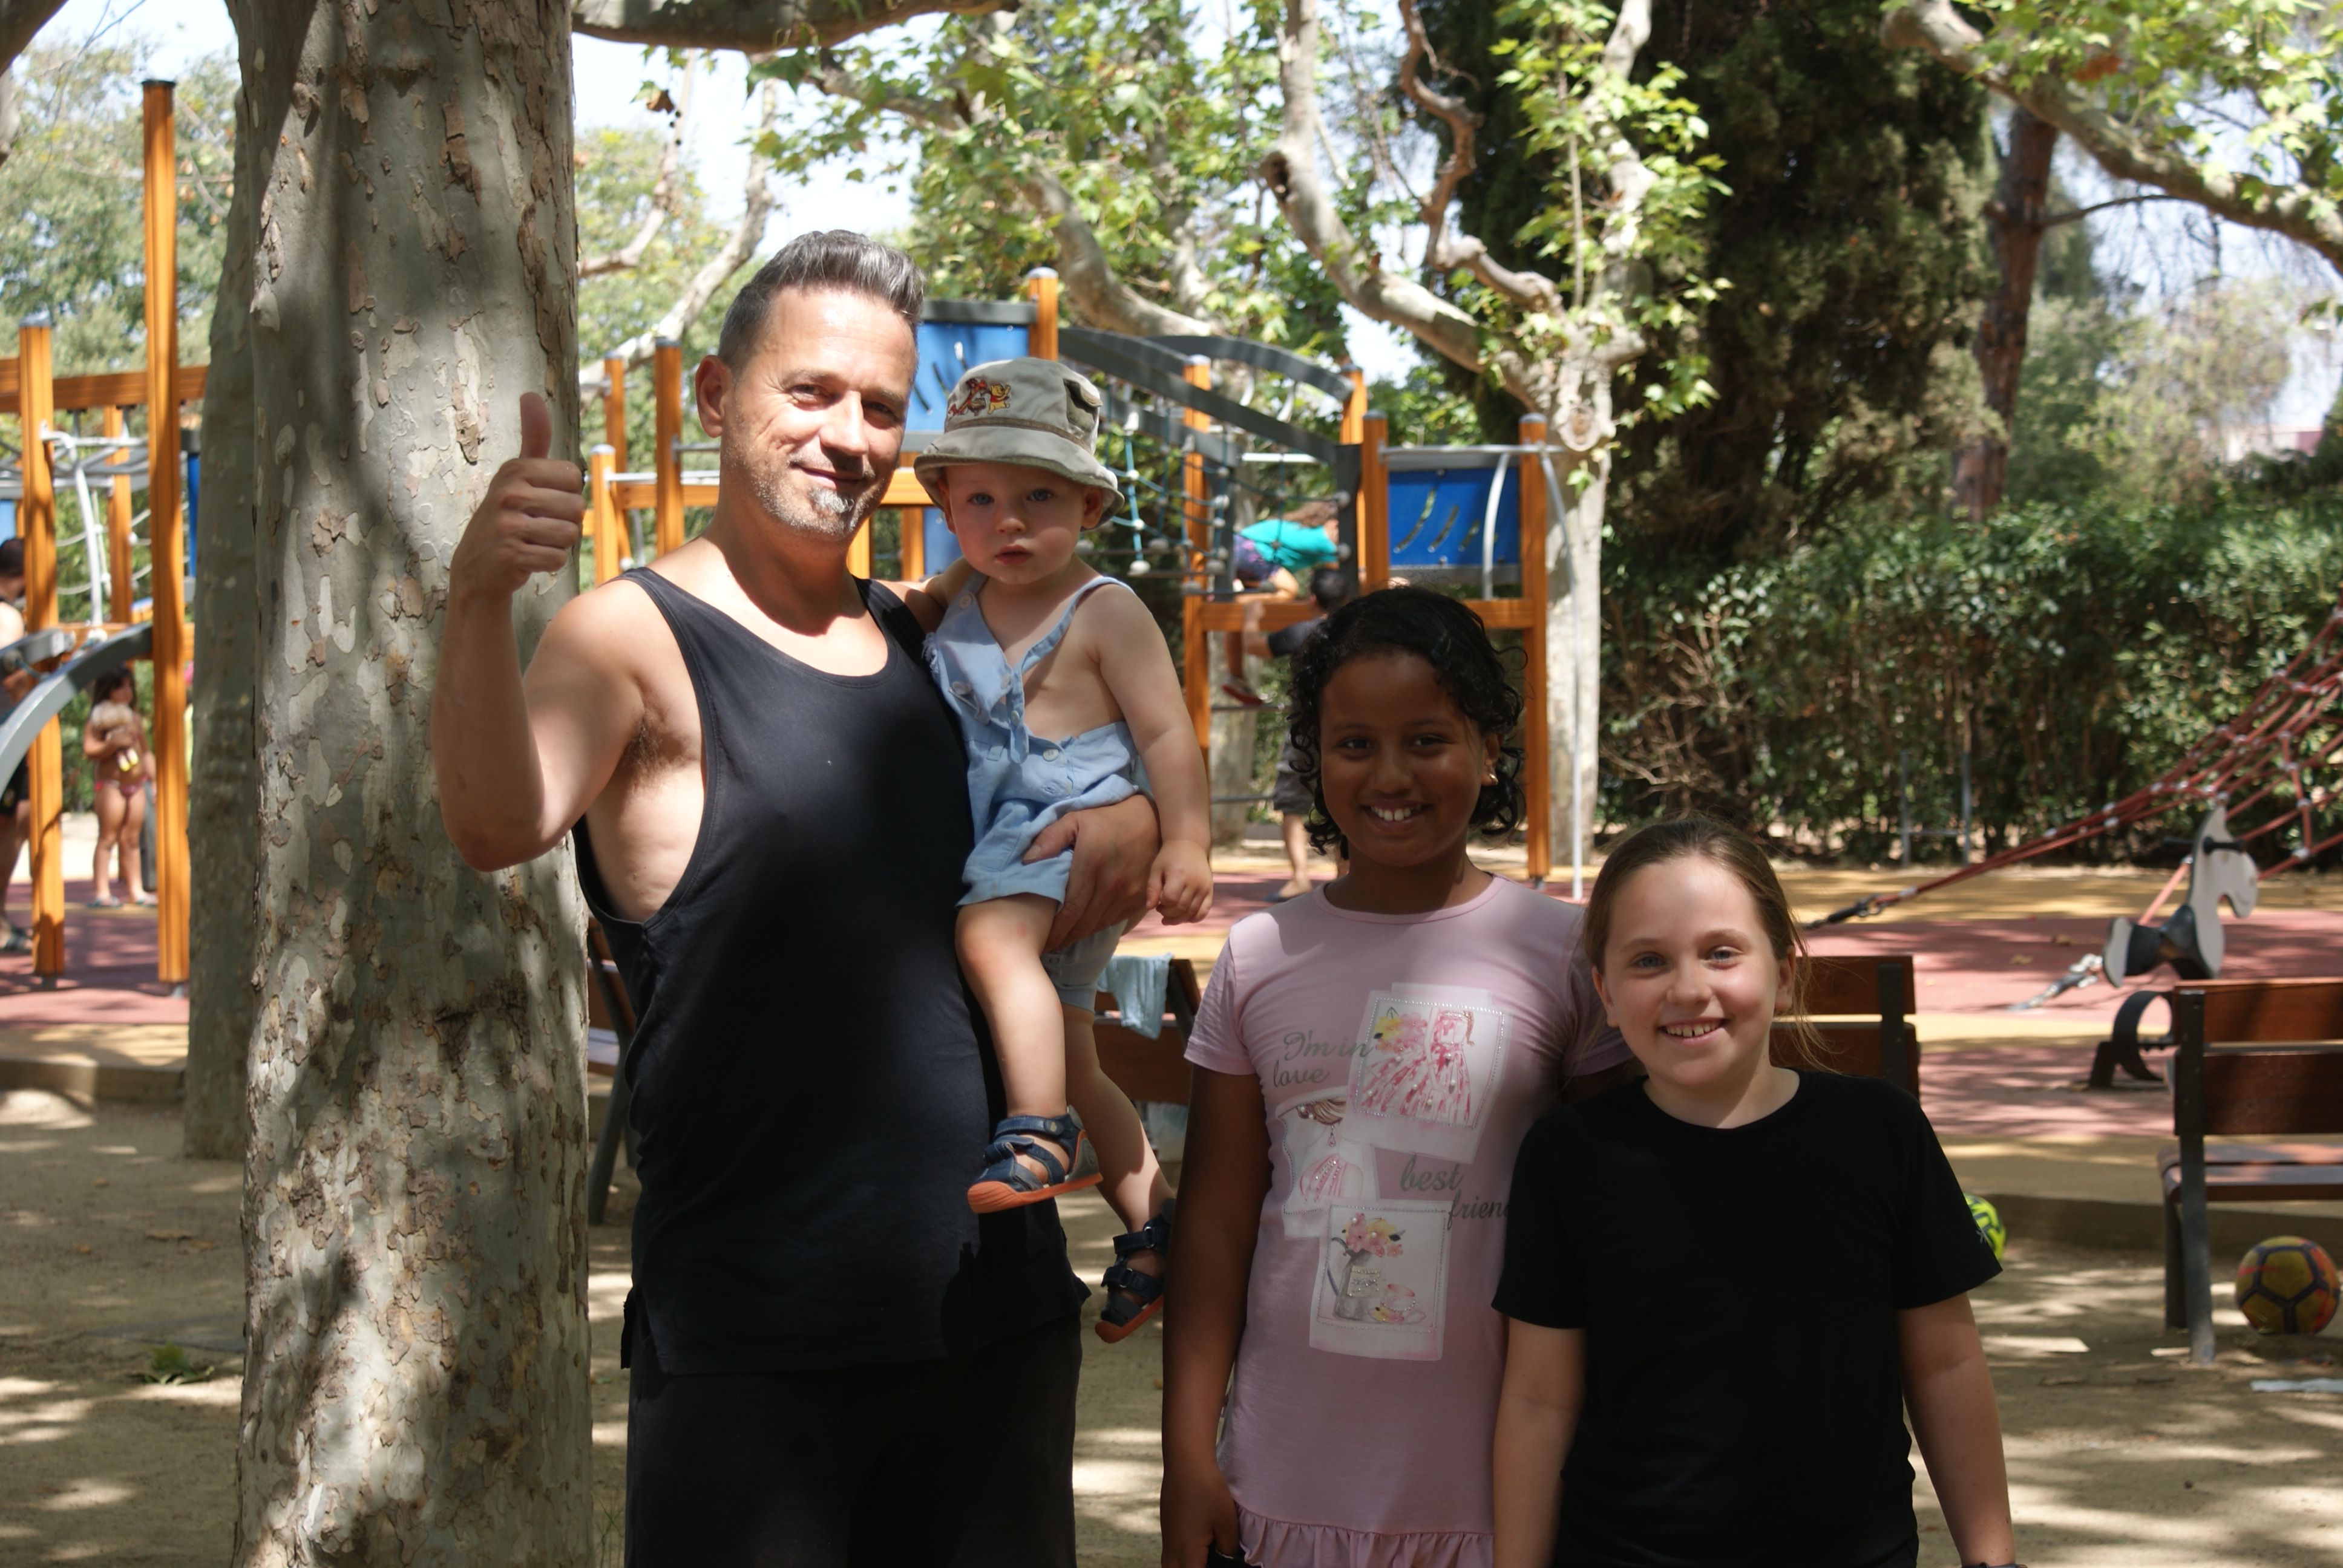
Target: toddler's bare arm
(927, 600)
(1136, 668)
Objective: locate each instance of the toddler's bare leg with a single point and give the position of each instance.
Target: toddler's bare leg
(1000, 952)
(1134, 1184)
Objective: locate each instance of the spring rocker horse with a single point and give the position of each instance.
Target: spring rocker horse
(2191, 942)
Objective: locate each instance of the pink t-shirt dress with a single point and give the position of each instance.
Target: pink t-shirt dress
(1402, 1058)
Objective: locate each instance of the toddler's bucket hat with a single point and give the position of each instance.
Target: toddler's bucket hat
(1031, 411)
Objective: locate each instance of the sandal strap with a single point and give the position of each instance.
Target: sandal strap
(1155, 1236)
(1020, 1135)
(1127, 1281)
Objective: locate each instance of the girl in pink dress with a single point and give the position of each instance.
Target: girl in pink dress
(1368, 1059)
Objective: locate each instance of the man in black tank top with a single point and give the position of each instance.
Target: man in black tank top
(832, 1359)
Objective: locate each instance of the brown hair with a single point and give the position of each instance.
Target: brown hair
(1682, 838)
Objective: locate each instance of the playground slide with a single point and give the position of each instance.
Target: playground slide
(78, 673)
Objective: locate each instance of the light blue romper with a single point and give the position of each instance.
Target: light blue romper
(1018, 782)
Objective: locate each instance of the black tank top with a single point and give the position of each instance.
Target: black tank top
(809, 1095)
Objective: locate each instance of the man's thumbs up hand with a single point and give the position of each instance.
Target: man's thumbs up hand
(530, 520)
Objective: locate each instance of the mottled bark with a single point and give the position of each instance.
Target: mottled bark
(415, 1389)
(2016, 213)
(224, 778)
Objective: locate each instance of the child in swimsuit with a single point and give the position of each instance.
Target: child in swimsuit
(1067, 697)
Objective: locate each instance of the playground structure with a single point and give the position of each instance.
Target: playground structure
(2263, 764)
(71, 654)
(1463, 512)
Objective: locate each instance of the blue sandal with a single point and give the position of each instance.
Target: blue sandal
(1007, 1183)
(1134, 1297)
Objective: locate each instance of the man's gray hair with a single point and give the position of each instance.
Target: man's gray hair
(834, 259)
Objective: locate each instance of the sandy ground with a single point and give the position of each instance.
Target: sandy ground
(110, 1243)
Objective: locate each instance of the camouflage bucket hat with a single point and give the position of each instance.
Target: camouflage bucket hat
(1035, 412)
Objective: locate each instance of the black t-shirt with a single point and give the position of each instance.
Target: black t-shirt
(811, 1094)
(1738, 1288)
(1287, 640)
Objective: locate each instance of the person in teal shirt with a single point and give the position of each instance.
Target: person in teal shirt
(1278, 553)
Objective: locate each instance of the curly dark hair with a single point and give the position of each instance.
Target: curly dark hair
(1448, 637)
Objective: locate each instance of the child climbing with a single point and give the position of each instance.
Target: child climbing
(115, 741)
(1065, 691)
(1753, 1409)
(1367, 1056)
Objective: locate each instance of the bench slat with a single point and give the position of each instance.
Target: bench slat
(2241, 1183)
(2275, 1092)
(2263, 1012)
(2168, 1159)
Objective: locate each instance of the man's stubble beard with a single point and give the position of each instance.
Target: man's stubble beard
(819, 514)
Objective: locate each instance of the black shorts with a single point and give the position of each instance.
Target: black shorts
(1289, 794)
(963, 1462)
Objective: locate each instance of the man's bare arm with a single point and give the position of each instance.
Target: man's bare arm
(518, 761)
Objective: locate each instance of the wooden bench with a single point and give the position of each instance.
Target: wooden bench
(1156, 1068)
(1878, 1040)
(2284, 1093)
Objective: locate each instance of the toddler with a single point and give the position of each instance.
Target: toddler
(1065, 692)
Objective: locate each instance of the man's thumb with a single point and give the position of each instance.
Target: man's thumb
(535, 426)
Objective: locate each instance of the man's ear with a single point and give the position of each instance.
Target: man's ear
(712, 383)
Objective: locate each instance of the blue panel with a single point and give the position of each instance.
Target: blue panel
(1436, 516)
(948, 348)
(7, 520)
(193, 491)
(942, 548)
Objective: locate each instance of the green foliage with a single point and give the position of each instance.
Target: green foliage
(2252, 88)
(1572, 110)
(617, 168)
(2142, 405)
(1848, 224)
(2076, 651)
(74, 242)
(171, 1364)
(1153, 129)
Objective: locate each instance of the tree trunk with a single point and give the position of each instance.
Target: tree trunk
(416, 1385)
(2020, 199)
(223, 796)
(1574, 640)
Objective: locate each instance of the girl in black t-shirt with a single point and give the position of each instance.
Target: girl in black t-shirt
(1727, 1282)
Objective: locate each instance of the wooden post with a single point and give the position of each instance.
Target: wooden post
(1042, 286)
(614, 412)
(1537, 758)
(666, 410)
(1196, 660)
(911, 530)
(858, 550)
(117, 529)
(1354, 407)
(602, 514)
(1374, 505)
(166, 540)
(36, 523)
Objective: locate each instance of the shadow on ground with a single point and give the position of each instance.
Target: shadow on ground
(110, 1241)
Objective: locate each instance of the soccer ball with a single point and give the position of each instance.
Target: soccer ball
(2286, 1285)
(1988, 1223)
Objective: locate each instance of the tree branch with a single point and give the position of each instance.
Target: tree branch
(1290, 174)
(757, 207)
(19, 21)
(1088, 279)
(1935, 26)
(753, 26)
(630, 255)
(2078, 214)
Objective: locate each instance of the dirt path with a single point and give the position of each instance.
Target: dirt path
(110, 1242)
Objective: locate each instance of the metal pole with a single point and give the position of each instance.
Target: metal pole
(1904, 801)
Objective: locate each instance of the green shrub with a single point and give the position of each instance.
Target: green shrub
(2075, 652)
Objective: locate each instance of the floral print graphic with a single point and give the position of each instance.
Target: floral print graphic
(1383, 1279)
(1418, 1066)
